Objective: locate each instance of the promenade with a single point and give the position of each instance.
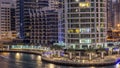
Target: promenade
(107, 60)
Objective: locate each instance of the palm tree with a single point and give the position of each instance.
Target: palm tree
(70, 52)
(102, 51)
(90, 51)
(56, 48)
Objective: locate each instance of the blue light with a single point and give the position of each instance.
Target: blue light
(115, 49)
(117, 61)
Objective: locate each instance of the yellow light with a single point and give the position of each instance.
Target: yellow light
(5, 53)
(118, 25)
(17, 56)
(84, 4)
(77, 31)
(51, 66)
(39, 58)
(83, 61)
(70, 31)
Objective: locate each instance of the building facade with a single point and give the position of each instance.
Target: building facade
(85, 23)
(116, 6)
(26, 9)
(110, 15)
(7, 19)
(37, 22)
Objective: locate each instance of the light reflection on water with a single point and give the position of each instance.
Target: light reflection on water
(5, 53)
(17, 56)
(20, 60)
(51, 66)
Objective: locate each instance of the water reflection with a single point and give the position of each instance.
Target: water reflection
(32, 61)
(5, 53)
(92, 67)
(32, 56)
(38, 60)
(17, 56)
(51, 66)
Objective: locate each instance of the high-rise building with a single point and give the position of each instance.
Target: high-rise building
(37, 22)
(110, 15)
(49, 32)
(116, 7)
(7, 18)
(54, 4)
(28, 17)
(85, 23)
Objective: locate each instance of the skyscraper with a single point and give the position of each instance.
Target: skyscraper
(110, 14)
(29, 20)
(7, 8)
(37, 21)
(116, 5)
(85, 23)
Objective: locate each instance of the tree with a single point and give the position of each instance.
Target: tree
(90, 51)
(70, 52)
(102, 51)
(56, 47)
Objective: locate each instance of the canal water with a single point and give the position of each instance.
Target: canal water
(21, 60)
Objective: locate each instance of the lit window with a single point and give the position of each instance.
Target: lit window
(84, 4)
(85, 30)
(85, 41)
(77, 31)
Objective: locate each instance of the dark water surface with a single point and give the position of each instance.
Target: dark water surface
(21, 60)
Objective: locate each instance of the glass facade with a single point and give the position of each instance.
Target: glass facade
(28, 14)
(85, 22)
(36, 24)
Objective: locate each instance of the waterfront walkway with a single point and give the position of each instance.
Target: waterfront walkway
(23, 51)
(108, 60)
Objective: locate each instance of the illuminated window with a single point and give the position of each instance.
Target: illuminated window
(84, 30)
(70, 31)
(85, 41)
(77, 31)
(84, 4)
(73, 31)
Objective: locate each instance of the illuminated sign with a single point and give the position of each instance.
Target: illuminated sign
(84, 4)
